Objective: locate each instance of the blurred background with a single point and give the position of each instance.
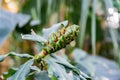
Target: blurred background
(99, 22)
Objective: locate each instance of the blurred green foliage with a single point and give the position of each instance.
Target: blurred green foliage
(96, 36)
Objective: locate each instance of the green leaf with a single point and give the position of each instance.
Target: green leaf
(34, 37)
(55, 62)
(62, 61)
(76, 77)
(54, 78)
(8, 22)
(23, 71)
(34, 23)
(43, 75)
(83, 75)
(90, 69)
(80, 55)
(55, 69)
(20, 55)
(65, 63)
(10, 72)
(2, 57)
(35, 68)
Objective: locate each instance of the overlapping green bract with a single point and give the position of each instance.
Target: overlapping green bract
(58, 40)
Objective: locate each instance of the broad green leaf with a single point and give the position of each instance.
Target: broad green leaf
(23, 71)
(65, 63)
(8, 22)
(22, 19)
(10, 72)
(34, 22)
(55, 69)
(42, 75)
(79, 59)
(34, 37)
(62, 61)
(56, 61)
(2, 57)
(90, 70)
(79, 54)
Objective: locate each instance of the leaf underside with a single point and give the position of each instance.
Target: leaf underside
(23, 71)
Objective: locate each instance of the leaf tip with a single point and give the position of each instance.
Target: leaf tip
(22, 36)
(33, 32)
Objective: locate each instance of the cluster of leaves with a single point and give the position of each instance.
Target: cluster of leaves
(51, 67)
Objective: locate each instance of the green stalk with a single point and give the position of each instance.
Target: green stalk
(83, 20)
(39, 2)
(93, 26)
(34, 14)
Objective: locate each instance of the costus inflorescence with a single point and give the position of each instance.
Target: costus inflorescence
(58, 40)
